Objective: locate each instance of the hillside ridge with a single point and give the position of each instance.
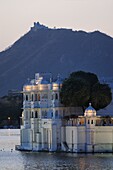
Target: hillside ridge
(56, 51)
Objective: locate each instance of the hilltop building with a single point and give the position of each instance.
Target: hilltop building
(49, 126)
(38, 26)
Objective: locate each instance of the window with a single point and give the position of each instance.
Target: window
(36, 114)
(26, 114)
(91, 121)
(32, 115)
(38, 97)
(88, 122)
(32, 97)
(44, 96)
(56, 96)
(35, 97)
(56, 113)
(52, 114)
(44, 114)
(26, 98)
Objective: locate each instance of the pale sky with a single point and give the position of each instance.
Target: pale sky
(17, 16)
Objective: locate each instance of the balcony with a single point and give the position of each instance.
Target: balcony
(26, 104)
(55, 103)
(44, 104)
(35, 104)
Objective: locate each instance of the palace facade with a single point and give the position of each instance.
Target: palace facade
(49, 126)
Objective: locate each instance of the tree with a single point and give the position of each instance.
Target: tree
(91, 78)
(81, 88)
(10, 106)
(101, 96)
(75, 92)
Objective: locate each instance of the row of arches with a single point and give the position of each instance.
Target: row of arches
(33, 97)
(28, 115)
(44, 114)
(37, 97)
(90, 121)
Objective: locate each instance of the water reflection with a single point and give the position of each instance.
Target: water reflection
(15, 160)
(57, 161)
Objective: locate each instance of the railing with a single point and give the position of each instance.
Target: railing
(26, 104)
(35, 104)
(55, 103)
(44, 104)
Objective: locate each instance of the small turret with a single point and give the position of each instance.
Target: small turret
(90, 118)
(90, 115)
(90, 111)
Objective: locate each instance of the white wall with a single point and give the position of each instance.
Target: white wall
(103, 139)
(26, 139)
(81, 139)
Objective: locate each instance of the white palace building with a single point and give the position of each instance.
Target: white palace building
(49, 126)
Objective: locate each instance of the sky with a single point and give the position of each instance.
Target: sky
(17, 16)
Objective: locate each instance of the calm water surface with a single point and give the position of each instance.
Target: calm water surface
(15, 160)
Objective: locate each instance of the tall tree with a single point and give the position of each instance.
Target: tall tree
(101, 96)
(91, 78)
(82, 87)
(75, 92)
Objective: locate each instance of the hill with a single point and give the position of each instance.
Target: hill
(57, 51)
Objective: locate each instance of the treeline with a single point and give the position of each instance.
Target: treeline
(10, 111)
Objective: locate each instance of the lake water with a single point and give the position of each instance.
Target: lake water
(15, 160)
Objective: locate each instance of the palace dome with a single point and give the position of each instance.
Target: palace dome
(90, 111)
(44, 82)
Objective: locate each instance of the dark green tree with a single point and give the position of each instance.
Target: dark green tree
(10, 106)
(81, 88)
(75, 92)
(91, 78)
(101, 96)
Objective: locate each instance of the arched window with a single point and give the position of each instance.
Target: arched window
(51, 114)
(32, 115)
(56, 96)
(35, 97)
(45, 114)
(91, 121)
(52, 97)
(26, 114)
(32, 97)
(26, 97)
(38, 97)
(36, 114)
(88, 122)
(56, 113)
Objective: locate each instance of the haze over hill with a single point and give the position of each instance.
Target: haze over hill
(57, 51)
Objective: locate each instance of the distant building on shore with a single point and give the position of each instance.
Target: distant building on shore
(49, 126)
